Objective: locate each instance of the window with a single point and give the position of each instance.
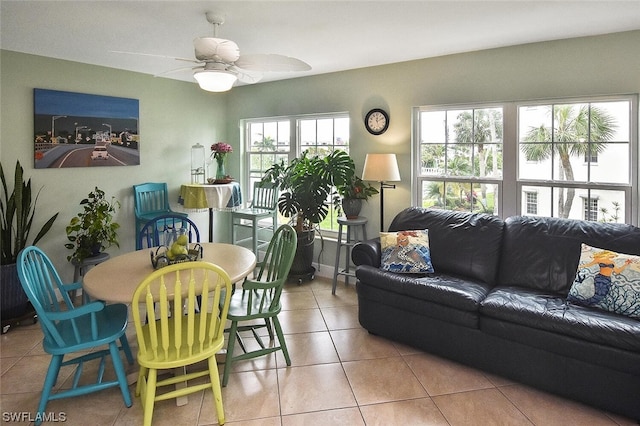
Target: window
(532, 202)
(459, 161)
(590, 209)
(272, 140)
(555, 139)
(538, 158)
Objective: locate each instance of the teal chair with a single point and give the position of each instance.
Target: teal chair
(74, 332)
(150, 201)
(260, 300)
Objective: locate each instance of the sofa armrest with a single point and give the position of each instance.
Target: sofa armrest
(367, 253)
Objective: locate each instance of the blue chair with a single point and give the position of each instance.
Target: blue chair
(150, 235)
(150, 201)
(69, 329)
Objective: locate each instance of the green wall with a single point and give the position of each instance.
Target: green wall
(174, 115)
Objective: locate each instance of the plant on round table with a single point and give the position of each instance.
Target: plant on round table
(93, 230)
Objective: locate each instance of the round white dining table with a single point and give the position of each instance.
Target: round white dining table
(117, 279)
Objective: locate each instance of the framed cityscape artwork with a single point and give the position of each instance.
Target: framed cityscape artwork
(82, 130)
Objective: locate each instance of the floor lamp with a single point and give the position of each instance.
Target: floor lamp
(381, 168)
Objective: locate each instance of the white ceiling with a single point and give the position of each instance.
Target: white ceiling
(328, 35)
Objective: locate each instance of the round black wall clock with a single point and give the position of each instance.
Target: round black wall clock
(376, 121)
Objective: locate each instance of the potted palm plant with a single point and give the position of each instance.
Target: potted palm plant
(93, 229)
(306, 186)
(17, 211)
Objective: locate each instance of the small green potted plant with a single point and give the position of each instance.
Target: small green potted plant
(93, 230)
(351, 195)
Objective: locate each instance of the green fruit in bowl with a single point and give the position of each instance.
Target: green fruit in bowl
(178, 249)
(183, 240)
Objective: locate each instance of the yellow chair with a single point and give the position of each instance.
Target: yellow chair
(171, 338)
(260, 300)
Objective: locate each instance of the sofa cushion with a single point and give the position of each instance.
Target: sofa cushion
(542, 252)
(552, 313)
(406, 251)
(461, 243)
(607, 280)
(445, 289)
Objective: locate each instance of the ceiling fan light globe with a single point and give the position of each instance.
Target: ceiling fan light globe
(215, 80)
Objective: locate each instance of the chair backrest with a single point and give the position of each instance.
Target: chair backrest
(42, 284)
(153, 232)
(274, 270)
(200, 322)
(150, 198)
(265, 195)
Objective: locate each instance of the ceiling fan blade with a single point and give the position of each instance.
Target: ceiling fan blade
(178, 70)
(269, 62)
(246, 77)
(211, 48)
(154, 56)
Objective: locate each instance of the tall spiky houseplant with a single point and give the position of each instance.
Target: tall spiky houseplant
(17, 211)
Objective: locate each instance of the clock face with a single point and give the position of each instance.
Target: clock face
(376, 121)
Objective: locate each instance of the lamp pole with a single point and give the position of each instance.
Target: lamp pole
(382, 187)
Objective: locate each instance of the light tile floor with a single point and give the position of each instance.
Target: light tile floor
(340, 375)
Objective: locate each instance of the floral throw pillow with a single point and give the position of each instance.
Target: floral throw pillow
(607, 280)
(406, 252)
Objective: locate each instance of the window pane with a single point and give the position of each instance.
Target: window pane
(459, 160)
(463, 196)
(432, 159)
(488, 160)
(535, 161)
(611, 205)
(433, 127)
(542, 198)
(613, 164)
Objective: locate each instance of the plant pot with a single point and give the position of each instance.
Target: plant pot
(351, 207)
(303, 258)
(15, 303)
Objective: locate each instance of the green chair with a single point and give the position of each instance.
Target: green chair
(80, 333)
(260, 299)
(260, 216)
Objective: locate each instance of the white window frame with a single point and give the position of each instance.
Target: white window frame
(511, 187)
(418, 179)
(295, 147)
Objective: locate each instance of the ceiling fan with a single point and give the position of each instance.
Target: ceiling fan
(220, 63)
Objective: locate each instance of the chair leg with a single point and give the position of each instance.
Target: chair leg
(49, 383)
(234, 232)
(229, 358)
(124, 344)
(255, 237)
(217, 390)
(122, 377)
(283, 344)
(149, 396)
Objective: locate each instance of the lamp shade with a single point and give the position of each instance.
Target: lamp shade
(381, 168)
(215, 80)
